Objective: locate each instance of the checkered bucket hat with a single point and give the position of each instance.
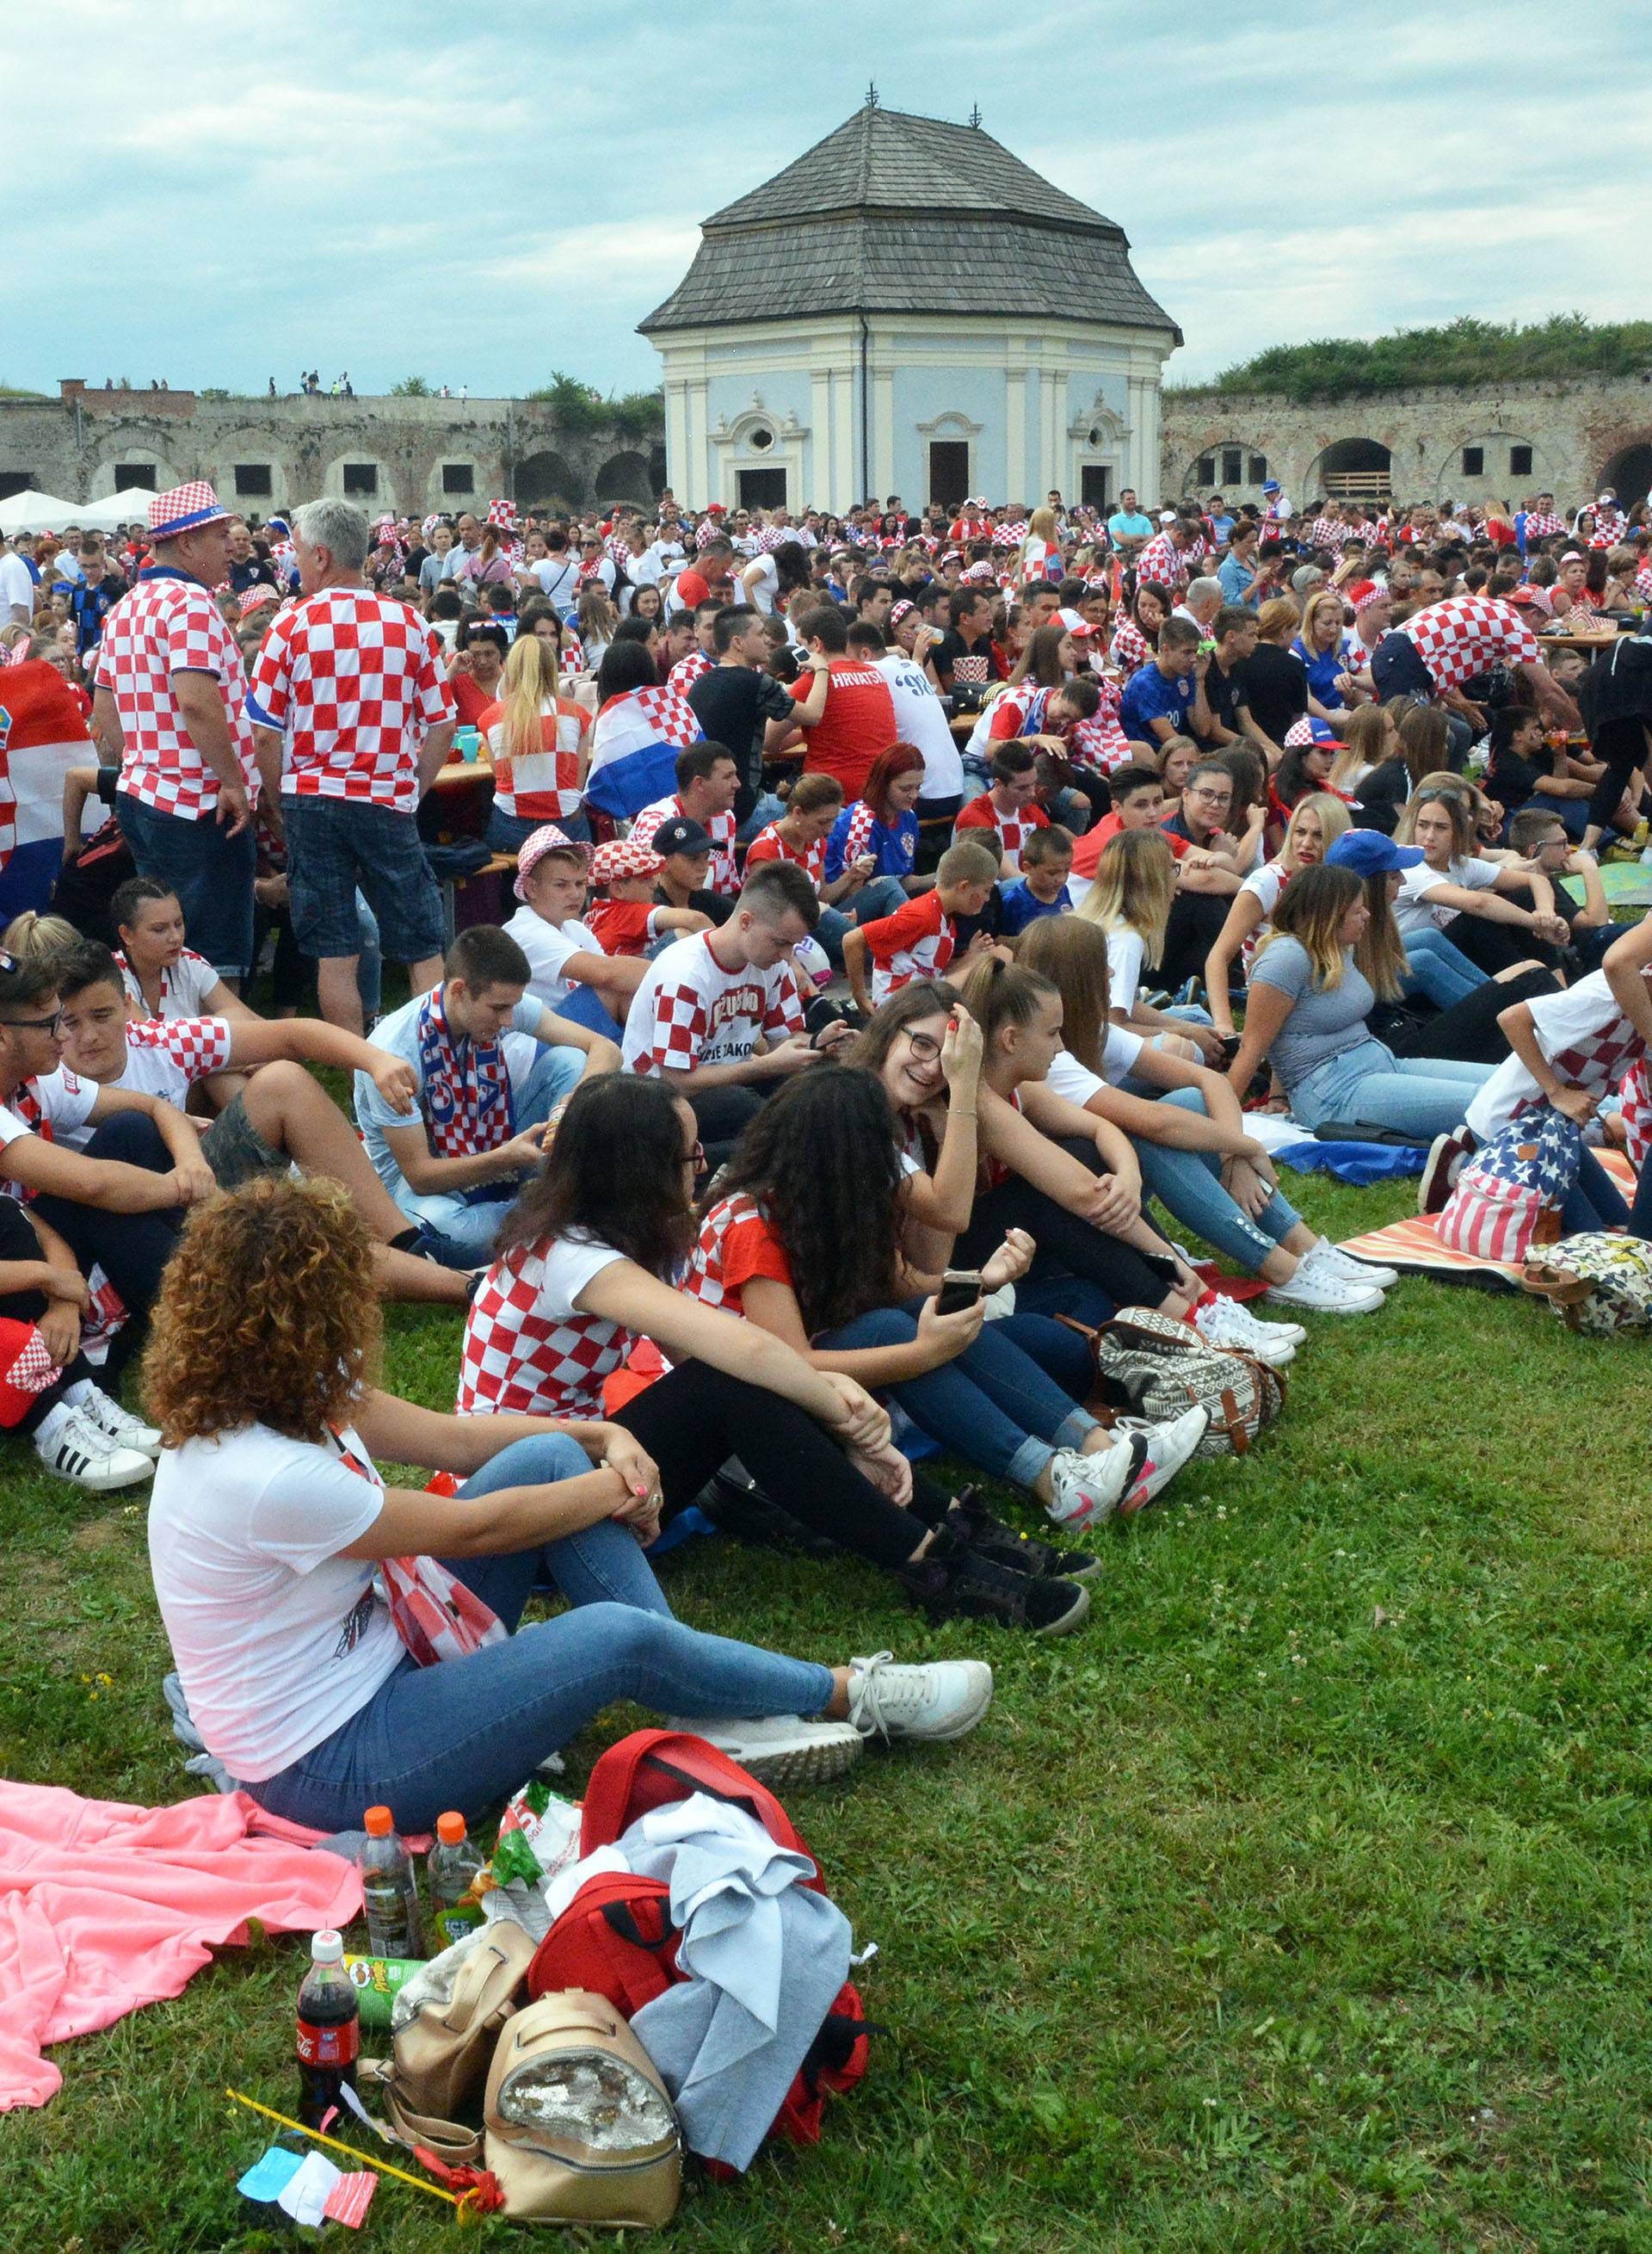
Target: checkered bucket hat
(183, 508)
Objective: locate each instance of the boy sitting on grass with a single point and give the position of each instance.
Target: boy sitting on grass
(919, 940)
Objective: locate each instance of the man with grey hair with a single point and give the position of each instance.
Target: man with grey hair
(352, 720)
(1201, 603)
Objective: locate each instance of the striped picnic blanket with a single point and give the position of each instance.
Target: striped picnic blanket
(1414, 1243)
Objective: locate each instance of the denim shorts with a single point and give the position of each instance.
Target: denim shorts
(235, 1150)
(211, 873)
(335, 845)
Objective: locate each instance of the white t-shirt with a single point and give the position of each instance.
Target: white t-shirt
(548, 947)
(763, 585)
(279, 1638)
(185, 986)
(1078, 1083)
(1126, 953)
(399, 1034)
(919, 720)
(63, 1111)
(16, 588)
(1582, 1031)
(689, 1011)
(162, 1059)
(1411, 910)
(557, 577)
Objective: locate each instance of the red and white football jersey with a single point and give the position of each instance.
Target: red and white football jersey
(724, 875)
(735, 1243)
(691, 1011)
(917, 941)
(1466, 635)
(1162, 561)
(527, 1351)
(1012, 829)
(355, 682)
(770, 845)
(169, 625)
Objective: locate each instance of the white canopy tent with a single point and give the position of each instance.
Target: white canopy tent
(30, 511)
(130, 506)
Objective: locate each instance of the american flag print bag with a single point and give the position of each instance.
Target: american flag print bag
(1508, 1197)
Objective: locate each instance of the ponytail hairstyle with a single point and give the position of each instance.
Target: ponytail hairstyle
(529, 685)
(997, 994)
(1380, 951)
(1311, 911)
(1134, 888)
(1072, 955)
(1458, 804)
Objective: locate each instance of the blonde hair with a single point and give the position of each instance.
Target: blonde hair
(1365, 734)
(1312, 605)
(1311, 911)
(36, 937)
(529, 685)
(1071, 953)
(1041, 525)
(1380, 950)
(1135, 887)
(1334, 819)
(1278, 616)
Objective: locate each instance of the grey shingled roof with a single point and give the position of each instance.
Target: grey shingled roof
(878, 218)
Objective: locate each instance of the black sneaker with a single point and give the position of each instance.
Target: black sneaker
(953, 1582)
(1021, 1553)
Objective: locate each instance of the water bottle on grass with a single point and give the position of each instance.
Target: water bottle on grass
(389, 1891)
(453, 1867)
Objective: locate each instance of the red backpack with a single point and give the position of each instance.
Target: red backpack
(616, 1938)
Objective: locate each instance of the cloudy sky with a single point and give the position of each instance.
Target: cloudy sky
(216, 195)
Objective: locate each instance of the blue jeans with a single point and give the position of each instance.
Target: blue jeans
(211, 873)
(768, 807)
(508, 833)
(466, 1733)
(1442, 973)
(1188, 1185)
(1595, 1202)
(466, 1222)
(1368, 1086)
(338, 847)
(994, 1404)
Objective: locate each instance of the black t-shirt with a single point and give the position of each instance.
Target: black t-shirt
(1511, 779)
(1276, 688)
(967, 667)
(1225, 695)
(732, 704)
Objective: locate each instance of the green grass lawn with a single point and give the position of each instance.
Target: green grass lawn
(1303, 1900)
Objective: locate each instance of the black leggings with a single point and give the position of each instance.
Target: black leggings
(1493, 947)
(1065, 1240)
(1623, 746)
(721, 1114)
(132, 1249)
(18, 1241)
(1469, 1031)
(694, 1418)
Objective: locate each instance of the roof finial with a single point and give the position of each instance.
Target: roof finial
(974, 114)
(872, 95)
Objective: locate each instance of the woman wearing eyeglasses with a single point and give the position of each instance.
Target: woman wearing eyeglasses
(588, 1262)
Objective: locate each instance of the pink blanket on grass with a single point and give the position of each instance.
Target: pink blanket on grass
(104, 1907)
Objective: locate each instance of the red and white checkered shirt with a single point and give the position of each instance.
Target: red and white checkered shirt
(193, 1046)
(1012, 829)
(688, 670)
(915, 942)
(1129, 649)
(723, 875)
(525, 1354)
(770, 845)
(1324, 532)
(165, 626)
(1540, 526)
(691, 1011)
(1162, 561)
(735, 1243)
(1467, 634)
(354, 683)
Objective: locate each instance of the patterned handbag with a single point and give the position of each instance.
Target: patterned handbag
(1150, 1366)
(1508, 1197)
(1599, 1286)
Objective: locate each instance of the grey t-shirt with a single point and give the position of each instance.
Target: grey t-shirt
(1324, 1020)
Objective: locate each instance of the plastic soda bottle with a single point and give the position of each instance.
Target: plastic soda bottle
(390, 1890)
(452, 1868)
(329, 2031)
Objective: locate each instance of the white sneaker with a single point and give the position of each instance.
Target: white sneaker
(70, 1444)
(1087, 1490)
(98, 1409)
(1167, 1448)
(1351, 1270)
(1315, 1288)
(780, 1749)
(935, 1703)
(1223, 1321)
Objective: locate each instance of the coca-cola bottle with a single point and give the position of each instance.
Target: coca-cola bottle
(329, 2031)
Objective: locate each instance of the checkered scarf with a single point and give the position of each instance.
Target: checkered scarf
(468, 1095)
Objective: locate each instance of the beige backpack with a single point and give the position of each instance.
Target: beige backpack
(579, 2126)
(444, 2026)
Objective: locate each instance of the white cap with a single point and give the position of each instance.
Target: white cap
(326, 1948)
(1168, 516)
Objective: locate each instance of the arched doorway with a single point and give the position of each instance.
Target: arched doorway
(549, 480)
(1352, 469)
(623, 477)
(1629, 473)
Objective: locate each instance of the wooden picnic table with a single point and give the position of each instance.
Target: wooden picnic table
(459, 772)
(1586, 645)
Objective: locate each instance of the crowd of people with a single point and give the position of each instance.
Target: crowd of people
(917, 918)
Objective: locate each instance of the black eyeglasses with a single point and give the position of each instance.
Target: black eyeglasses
(37, 1025)
(924, 1046)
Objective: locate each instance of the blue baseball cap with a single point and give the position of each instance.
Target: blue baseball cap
(1369, 853)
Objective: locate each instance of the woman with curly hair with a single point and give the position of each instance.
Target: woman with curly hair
(270, 1520)
(589, 1260)
(807, 1240)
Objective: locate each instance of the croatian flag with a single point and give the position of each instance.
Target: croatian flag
(635, 746)
(42, 735)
